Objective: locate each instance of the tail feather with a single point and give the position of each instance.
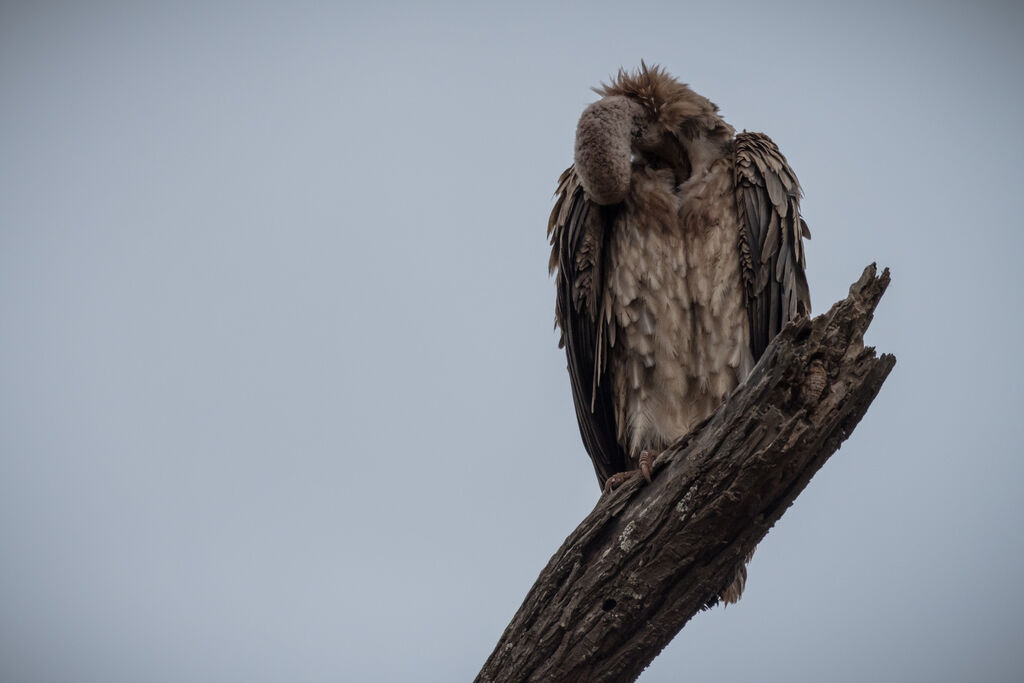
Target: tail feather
(732, 594)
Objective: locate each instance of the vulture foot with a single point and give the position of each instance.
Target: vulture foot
(646, 464)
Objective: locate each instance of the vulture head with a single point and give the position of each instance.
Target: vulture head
(645, 119)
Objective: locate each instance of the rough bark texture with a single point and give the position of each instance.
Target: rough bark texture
(650, 557)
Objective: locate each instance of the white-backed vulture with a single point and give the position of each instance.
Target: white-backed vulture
(678, 254)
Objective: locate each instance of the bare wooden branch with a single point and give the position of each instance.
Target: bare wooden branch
(650, 557)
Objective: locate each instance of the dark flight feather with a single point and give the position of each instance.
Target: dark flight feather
(577, 230)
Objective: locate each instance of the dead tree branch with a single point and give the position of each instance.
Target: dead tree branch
(650, 557)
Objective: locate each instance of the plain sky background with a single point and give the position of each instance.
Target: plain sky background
(280, 398)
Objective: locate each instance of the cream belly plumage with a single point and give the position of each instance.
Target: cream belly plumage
(681, 335)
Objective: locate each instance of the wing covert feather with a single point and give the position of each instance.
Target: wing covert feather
(772, 232)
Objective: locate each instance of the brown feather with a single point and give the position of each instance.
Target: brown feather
(577, 232)
(768, 198)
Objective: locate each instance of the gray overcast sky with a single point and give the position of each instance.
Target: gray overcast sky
(279, 395)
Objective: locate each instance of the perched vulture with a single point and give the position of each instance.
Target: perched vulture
(677, 251)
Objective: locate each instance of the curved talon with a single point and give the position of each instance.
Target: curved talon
(646, 468)
(646, 462)
(617, 479)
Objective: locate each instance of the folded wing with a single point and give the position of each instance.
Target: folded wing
(578, 229)
(771, 244)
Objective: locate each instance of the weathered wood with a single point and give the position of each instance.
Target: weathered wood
(648, 558)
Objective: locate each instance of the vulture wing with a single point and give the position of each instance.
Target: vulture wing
(578, 229)
(771, 246)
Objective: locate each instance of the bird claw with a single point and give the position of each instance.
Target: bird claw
(646, 462)
(618, 479)
(646, 468)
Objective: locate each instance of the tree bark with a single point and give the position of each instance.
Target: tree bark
(649, 557)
